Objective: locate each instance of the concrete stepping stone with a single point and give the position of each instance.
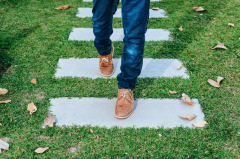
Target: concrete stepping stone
(86, 34)
(153, 68)
(147, 113)
(87, 12)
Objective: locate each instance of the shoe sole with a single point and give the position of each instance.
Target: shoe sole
(124, 117)
(113, 67)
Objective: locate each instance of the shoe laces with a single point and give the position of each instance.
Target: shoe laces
(124, 95)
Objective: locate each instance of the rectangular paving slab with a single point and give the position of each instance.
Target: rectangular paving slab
(151, 113)
(86, 34)
(89, 67)
(87, 12)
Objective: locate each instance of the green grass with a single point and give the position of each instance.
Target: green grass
(33, 36)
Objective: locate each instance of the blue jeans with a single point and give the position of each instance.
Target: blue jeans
(135, 15)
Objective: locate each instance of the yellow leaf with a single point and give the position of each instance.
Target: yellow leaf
(179, 67)
(32, 108)
(181, 29)
(91, 130)
(155, 8)
(49, 121)
(199, 124)
(172, 92)
(5, 101)
(41, 150)
(3, 91)
(34, 81)
(215, 84)
(198, 9)
(62, 7)
(231, 24)
(220, 46)
(186, 99)
(188, 116)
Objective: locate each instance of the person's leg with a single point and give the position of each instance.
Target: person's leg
(103, 11)
(135, 15)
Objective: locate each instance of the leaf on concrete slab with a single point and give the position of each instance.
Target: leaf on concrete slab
(220, 46)
(41, 150)
(231, 24)
(181, 29)
(186, 99)
(155, 8)
(179, 67)
(198, 9)
(5, 101)
(63, 7)
(188, 116)
(3, 91)
(172, 92)
(199, 124)
(32, 108)
(4, 145)
(49, 121)
(34, 81)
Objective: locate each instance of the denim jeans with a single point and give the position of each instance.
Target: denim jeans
(135, 15)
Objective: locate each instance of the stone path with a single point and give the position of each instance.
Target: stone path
(152, 68)
(100, 111)
(87, 12)
(86, 34)
(147, 112)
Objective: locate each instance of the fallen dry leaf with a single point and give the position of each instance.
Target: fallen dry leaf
(215, 84)
(219, 79)
(0, 124)
(181, 29)
(198, 9)
(49, 121)
(188, 116)
(155, 8)
(220, 46)
(179, 67)
(32, 108)
(41, 150)
(231, 24)
(91, 130)
(199, 124)
(172, 92)
(4, 145)
(3, 91)
(5, 101)
(186, 99)
(34, 81)
(160, 135)
(62, 7)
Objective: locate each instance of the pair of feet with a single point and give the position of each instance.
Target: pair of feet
(125, 102)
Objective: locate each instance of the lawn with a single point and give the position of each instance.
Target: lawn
(34, 35)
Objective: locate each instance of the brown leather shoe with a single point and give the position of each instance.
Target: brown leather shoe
(106, 64)
(125, 103)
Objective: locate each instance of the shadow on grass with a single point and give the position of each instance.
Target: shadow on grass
(6, 43)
